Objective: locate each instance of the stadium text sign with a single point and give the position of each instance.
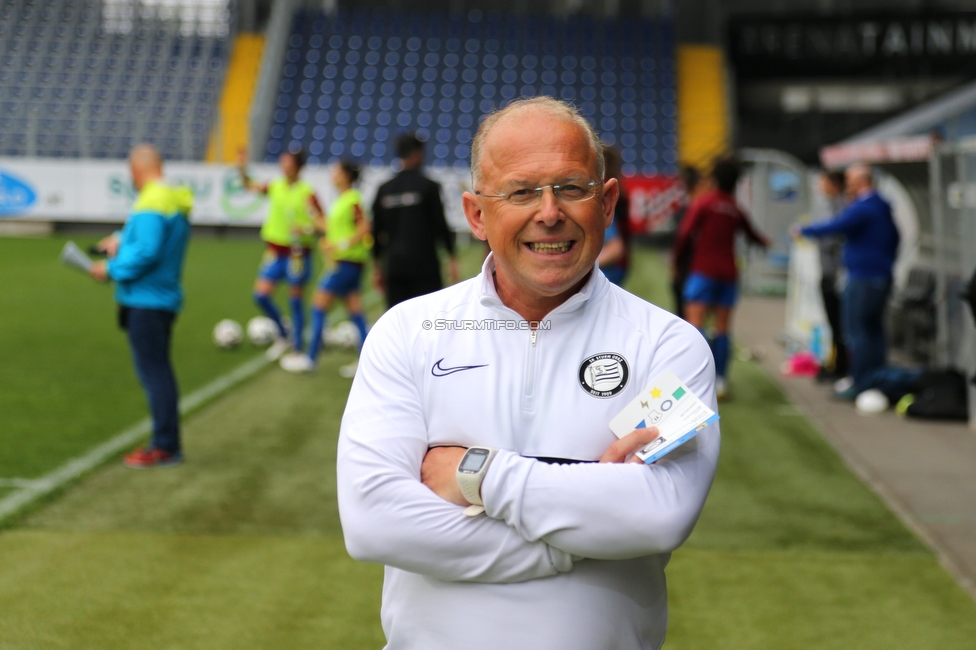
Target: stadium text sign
(917, 43)
(16, 195)
(653, 201)
(101, 190)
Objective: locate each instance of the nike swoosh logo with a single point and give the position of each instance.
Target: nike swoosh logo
(438, 371)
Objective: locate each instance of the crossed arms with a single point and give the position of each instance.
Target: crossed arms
(540, 517)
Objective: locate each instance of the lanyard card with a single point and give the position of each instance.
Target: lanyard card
(670, 406)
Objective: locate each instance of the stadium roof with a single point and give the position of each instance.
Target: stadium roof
(922, 119)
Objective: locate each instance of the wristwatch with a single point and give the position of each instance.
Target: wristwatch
(471, 472)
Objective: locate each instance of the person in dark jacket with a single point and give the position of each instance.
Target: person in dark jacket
(408, 221)
(870, 249)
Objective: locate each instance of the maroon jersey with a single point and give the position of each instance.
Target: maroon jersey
(709, 230)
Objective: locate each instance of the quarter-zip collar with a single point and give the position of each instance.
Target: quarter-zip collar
(594, 289)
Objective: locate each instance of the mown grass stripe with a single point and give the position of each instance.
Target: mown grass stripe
(76, 467)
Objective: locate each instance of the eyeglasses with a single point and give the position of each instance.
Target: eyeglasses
(567, 192)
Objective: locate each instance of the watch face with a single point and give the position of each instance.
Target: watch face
(473, 461)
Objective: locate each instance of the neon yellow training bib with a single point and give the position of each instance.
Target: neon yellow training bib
(287, 211)
(340, 228)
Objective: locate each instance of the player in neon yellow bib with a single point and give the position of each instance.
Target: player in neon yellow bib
(346, 244)
(289, 231)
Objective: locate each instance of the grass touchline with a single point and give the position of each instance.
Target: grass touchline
(31, 490)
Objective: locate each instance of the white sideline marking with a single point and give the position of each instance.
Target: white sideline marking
(33, 489)
(16, 482)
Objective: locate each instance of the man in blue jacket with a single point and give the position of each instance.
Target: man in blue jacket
(870, 249)
(146, 263)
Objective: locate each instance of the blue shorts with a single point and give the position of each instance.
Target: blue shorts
(615, 274)
(344, 279)
(280, 266)
(715, 293)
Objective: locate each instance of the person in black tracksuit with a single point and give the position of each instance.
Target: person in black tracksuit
(408, 221)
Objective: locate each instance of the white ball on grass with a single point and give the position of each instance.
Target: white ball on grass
(343, 335)
(227, 334)
(261, 331)
(871, 401)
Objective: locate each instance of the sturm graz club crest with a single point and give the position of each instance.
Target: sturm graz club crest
(604, 375)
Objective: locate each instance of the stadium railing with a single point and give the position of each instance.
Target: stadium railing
(276, 40)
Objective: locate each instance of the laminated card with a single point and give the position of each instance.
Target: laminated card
(670, 406)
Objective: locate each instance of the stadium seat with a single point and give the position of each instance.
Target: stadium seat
(432, 72)
(61, 52)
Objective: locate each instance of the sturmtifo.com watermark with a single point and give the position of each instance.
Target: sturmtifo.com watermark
(491, 324)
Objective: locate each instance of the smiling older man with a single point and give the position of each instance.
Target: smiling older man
(475, 457)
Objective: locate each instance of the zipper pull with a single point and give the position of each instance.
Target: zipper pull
(533, 336)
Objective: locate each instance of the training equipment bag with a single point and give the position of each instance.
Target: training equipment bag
(941, 395)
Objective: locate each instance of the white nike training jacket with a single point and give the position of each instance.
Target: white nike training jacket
(442, 369)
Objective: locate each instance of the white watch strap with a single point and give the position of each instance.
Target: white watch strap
(470, 484)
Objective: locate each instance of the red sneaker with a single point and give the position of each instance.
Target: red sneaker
(146, 457)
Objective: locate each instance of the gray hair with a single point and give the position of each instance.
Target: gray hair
(553, 107)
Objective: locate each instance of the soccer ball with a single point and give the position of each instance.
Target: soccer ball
(227, 334)
(344, 335)
(261, 331)
(871, 401)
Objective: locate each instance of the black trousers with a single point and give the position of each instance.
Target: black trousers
(400, 289)
(678, 290)
(832, 305)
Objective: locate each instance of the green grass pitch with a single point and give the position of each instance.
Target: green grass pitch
(67, 362)
(241, 547)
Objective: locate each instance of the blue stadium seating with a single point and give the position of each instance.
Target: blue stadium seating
(70, 87)
(352, 81)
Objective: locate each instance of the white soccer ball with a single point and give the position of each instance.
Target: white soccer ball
(227, 334)
(343, 335)
(261, 331)
(871, 401)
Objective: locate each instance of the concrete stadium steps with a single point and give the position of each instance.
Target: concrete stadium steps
(703, 111)
(230, 134)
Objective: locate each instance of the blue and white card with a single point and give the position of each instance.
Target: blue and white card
(670, 406)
